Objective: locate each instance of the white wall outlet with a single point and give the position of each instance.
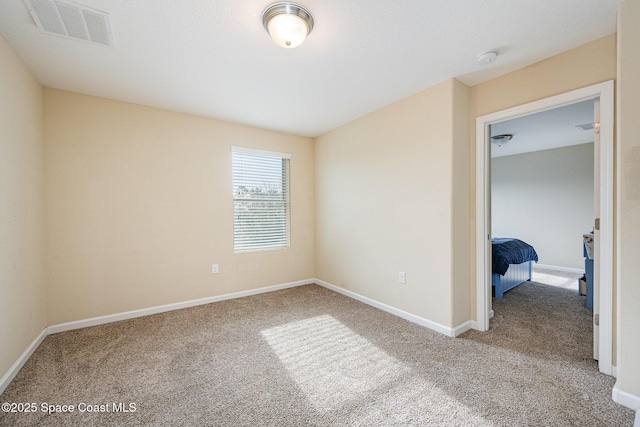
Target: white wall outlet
(402, 277)
(214, 268)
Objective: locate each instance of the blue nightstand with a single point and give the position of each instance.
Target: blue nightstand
(588, 272)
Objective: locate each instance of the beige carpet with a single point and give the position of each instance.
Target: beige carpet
(309, 356)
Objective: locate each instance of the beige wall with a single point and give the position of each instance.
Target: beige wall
(574, 69)
(546, 199)
(628, 160)
(384, 203)
(586, 65)
(22, 292)
(462, 189)
(367, 230)
(139, 205)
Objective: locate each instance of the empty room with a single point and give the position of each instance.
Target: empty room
(258, 213)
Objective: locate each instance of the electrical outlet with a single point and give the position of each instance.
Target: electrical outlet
(402, 277)
(214, 268)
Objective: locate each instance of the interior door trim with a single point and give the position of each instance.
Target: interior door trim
(605, 92)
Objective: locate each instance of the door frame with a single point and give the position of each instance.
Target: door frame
(604, 91)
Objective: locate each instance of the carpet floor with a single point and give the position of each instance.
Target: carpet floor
(310, 356)
(555, 277)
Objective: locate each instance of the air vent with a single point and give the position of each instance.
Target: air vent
(586, 126)
(70, 20)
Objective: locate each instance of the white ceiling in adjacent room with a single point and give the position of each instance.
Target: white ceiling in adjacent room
(215, 59)
(559, 127)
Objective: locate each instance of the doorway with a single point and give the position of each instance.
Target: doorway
(603, 150)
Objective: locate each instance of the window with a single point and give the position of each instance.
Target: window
(260, 199)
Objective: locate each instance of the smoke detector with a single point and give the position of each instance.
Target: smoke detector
(72, 21)
(488, 57)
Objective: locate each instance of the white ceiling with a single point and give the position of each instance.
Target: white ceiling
(545, 130)
(213, 58)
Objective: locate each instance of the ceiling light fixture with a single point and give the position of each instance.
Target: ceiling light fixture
(499, 140)
(287, 23)
(489, 57)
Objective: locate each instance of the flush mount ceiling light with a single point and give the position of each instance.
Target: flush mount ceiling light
(287, 23)
(488, 57)
(499, 140)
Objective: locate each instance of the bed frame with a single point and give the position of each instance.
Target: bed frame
(515, 275)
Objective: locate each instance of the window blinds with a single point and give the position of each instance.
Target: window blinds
(260, 200)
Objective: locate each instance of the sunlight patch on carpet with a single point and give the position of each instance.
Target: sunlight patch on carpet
(333, 366)
(324, 356)
(553, 280)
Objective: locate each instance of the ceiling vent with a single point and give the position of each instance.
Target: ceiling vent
(70, 20)
(586, 126)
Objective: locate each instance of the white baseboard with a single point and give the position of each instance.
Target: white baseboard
(101, 320)
(626, 399)
(636, 423)
(555, 267)
(445, 330)
(475, 324)
(94, 321)
(15, 368)
(461, 329)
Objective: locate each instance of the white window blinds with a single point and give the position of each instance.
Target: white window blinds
(260, 199)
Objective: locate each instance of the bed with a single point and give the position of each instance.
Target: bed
(511, 260)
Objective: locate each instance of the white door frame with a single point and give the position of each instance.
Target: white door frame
(604, 91)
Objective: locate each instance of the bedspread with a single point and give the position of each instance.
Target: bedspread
(507, 251)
